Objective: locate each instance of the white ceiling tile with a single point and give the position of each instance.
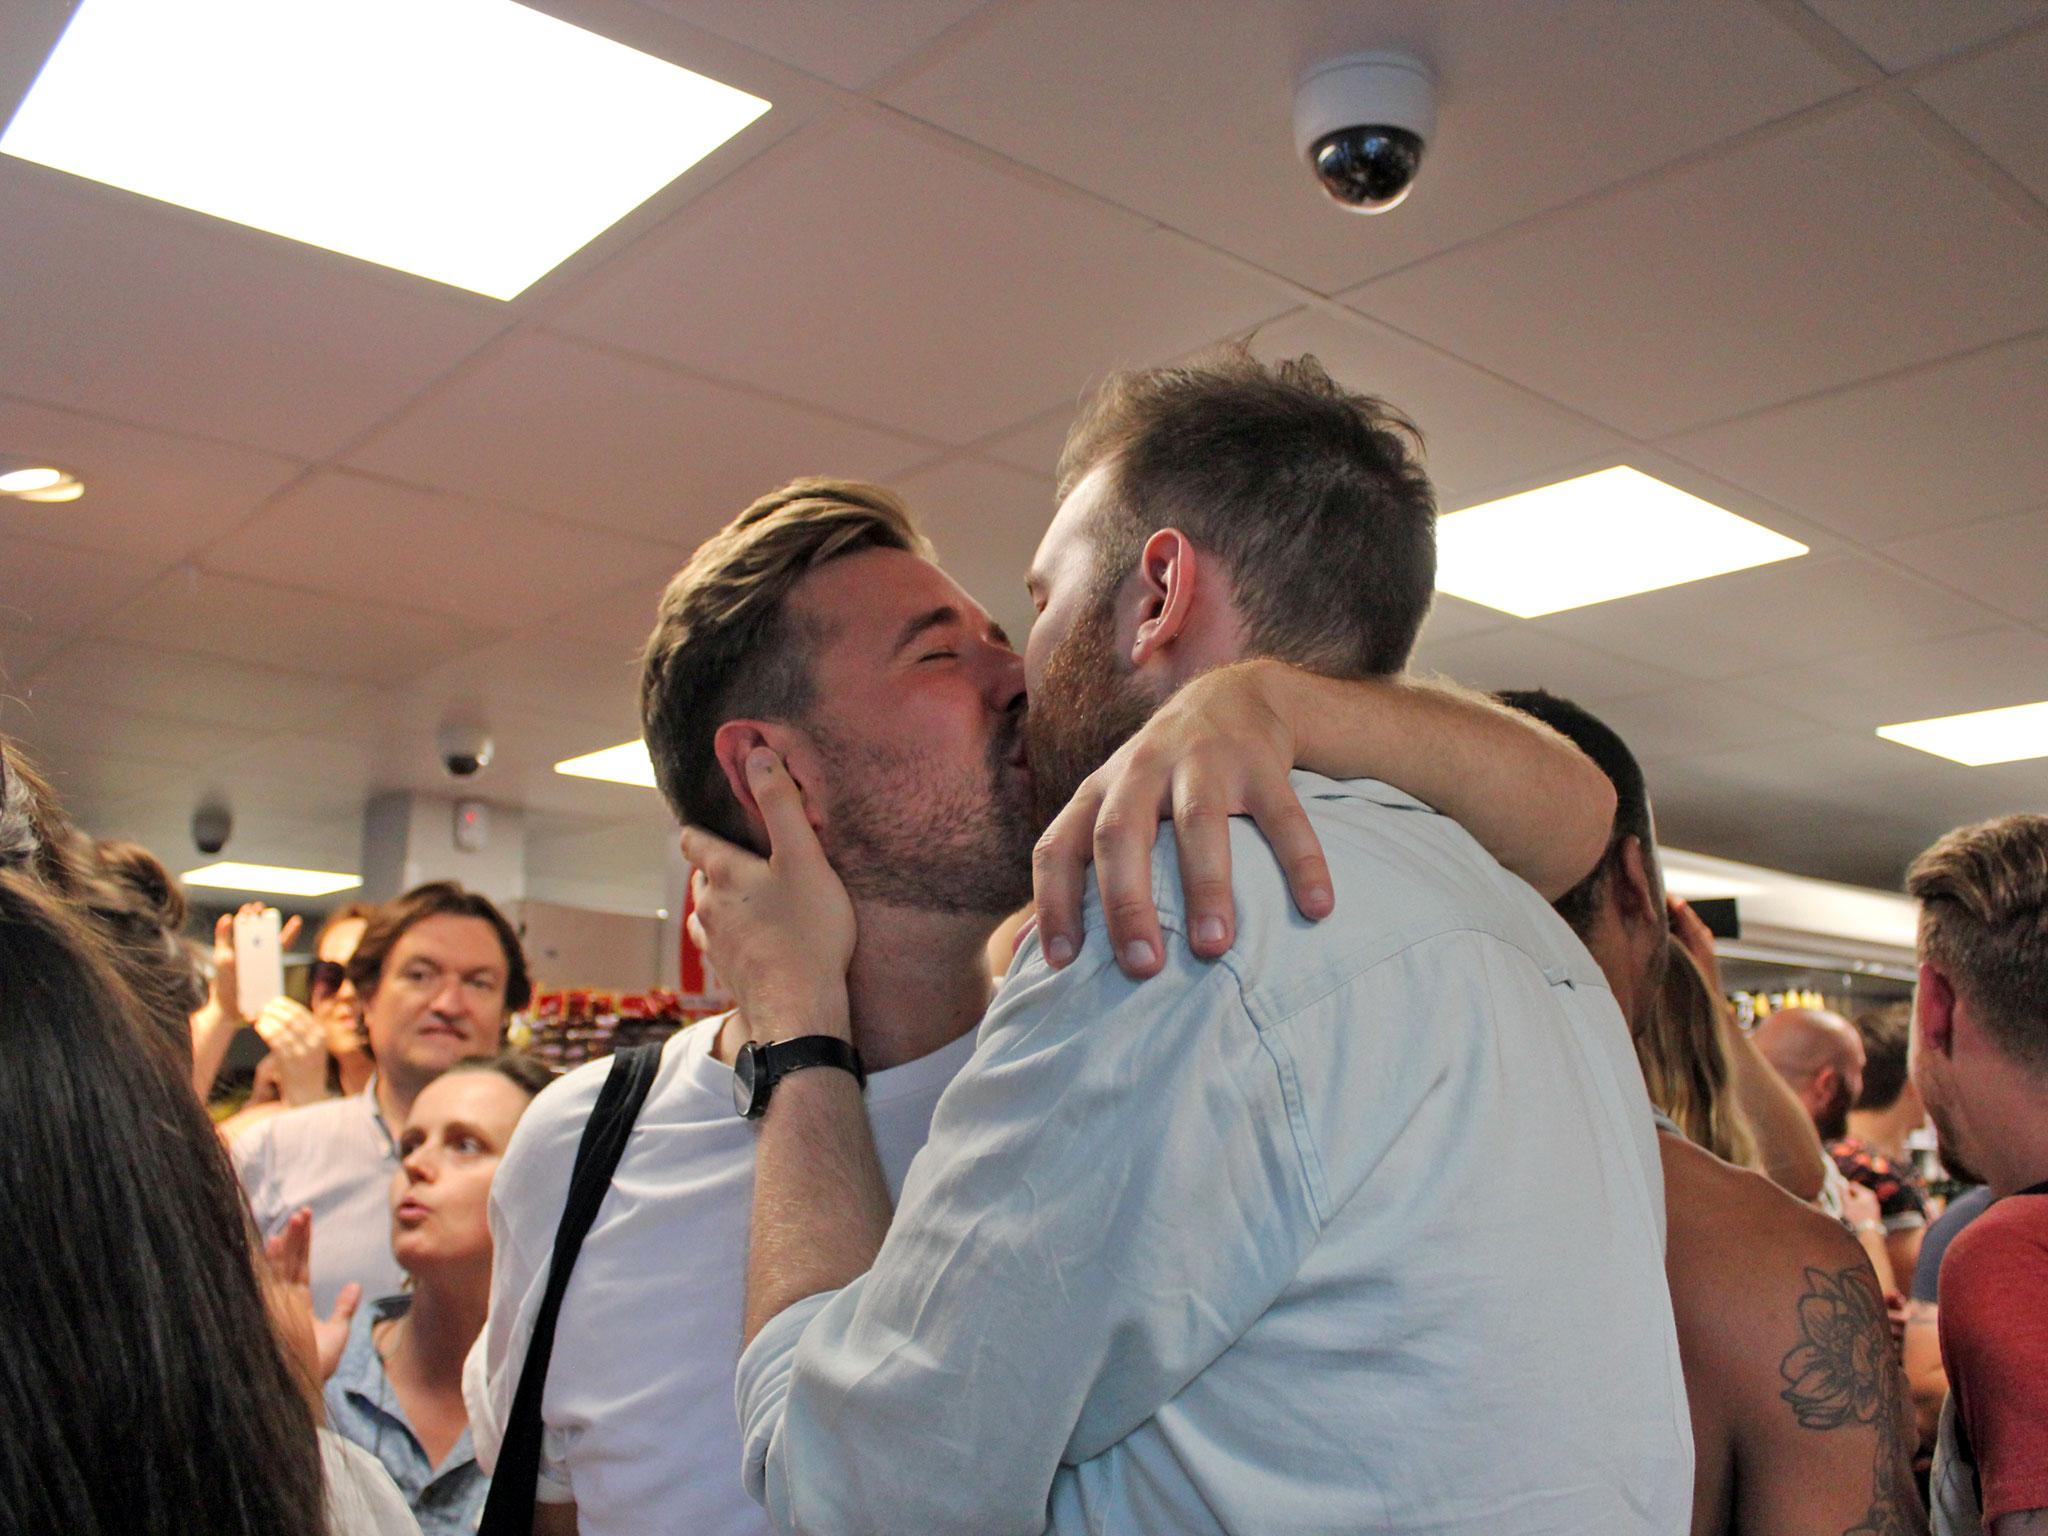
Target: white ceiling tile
(874, 268)
(1999, 100)
(148, 495)
(350, 535)
(156, 682)
(1772, 616)
(316, 772)
(986, 520)
(1793, 263)
(1860, 692)
(155, 315)
(566, 429)
(1958, 441)
(620, 621)
(553, 670)
(242, 620)
(848, 45)
(2002, 562)
(1785, 806)
(1186, 113)
(76, 731)
(1479, 431)
(1035, 446)
(1899, 34)
(1519, 655)
(1699, 717)
(53, 593)
(261, 836)
(22, 651)
(1452, 618)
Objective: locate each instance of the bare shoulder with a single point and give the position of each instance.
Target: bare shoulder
(1741, 1256)
(1779, 1314)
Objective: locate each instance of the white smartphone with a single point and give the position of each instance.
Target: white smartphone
(259, 961)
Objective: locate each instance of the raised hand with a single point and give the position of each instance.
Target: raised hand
(1216, 749)
(780, 930)
(298, 1046)
(290, 1258)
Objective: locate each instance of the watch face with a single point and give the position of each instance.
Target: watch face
(745, 1067)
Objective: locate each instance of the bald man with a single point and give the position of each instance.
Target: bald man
(1820, 1057)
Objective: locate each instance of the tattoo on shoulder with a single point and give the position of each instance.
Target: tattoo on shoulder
(1844, 1372)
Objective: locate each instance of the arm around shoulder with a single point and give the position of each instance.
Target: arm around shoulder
(1527, 795)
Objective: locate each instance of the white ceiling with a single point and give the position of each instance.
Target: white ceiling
(1793, 257)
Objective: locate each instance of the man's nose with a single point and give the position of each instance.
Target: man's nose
(452, 1001)
(1008, 683)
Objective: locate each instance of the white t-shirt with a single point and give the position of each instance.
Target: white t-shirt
(640, 1431)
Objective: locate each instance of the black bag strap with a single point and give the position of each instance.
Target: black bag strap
(508, 1510)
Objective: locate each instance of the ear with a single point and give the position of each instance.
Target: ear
(730, 746)
(1166, 593)
(1821, 1089)
(1635, 897)
(1934, 1012)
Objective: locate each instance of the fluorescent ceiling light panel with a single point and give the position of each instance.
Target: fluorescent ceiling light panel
(1590, 540)
(475, 142)
(271, 879)
(1984, 736)
(627, 763)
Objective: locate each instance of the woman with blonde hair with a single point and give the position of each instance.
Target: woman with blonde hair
(1685, 1063)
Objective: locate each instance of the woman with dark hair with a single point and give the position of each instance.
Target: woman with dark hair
(148, 1391)
(397, 1389)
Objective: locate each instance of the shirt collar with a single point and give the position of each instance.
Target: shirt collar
(376, 1114)
(361, 1372)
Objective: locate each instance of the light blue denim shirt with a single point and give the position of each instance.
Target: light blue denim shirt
(1358, 1228)
(447, 1500)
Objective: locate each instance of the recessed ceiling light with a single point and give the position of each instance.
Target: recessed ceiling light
(271, 879)
(41, 477)
(1590, 540)
(627, 763)
(1984, 736)
(475, 142)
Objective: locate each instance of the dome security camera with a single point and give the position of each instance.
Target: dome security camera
(1361, 122)
(212, 826)
(465, 749)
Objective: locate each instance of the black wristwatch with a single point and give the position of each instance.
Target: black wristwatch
(758, 1068)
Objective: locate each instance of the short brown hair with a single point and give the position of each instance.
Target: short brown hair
(1983, 893)
(726, 644)
(437, 898)
(1314, 495)
(1885, 1033)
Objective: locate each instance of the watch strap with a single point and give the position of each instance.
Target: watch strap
(781, 1057)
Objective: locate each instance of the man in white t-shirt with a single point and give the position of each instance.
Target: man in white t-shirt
(816, 626)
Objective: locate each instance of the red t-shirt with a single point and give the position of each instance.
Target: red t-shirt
(1994, 1342)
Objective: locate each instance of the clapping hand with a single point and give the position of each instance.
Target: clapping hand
(290, 1256)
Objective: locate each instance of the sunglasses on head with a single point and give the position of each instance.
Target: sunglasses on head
(324, 978)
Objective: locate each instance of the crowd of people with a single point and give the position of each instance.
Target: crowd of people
(1358, 1140)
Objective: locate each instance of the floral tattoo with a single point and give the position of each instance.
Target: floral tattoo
(1844, 1372)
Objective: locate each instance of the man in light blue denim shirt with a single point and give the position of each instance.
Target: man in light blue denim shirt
(1358, 1227)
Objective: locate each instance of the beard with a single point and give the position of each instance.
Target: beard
(1833, 1121)
(1087, 706)
(909, 830)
